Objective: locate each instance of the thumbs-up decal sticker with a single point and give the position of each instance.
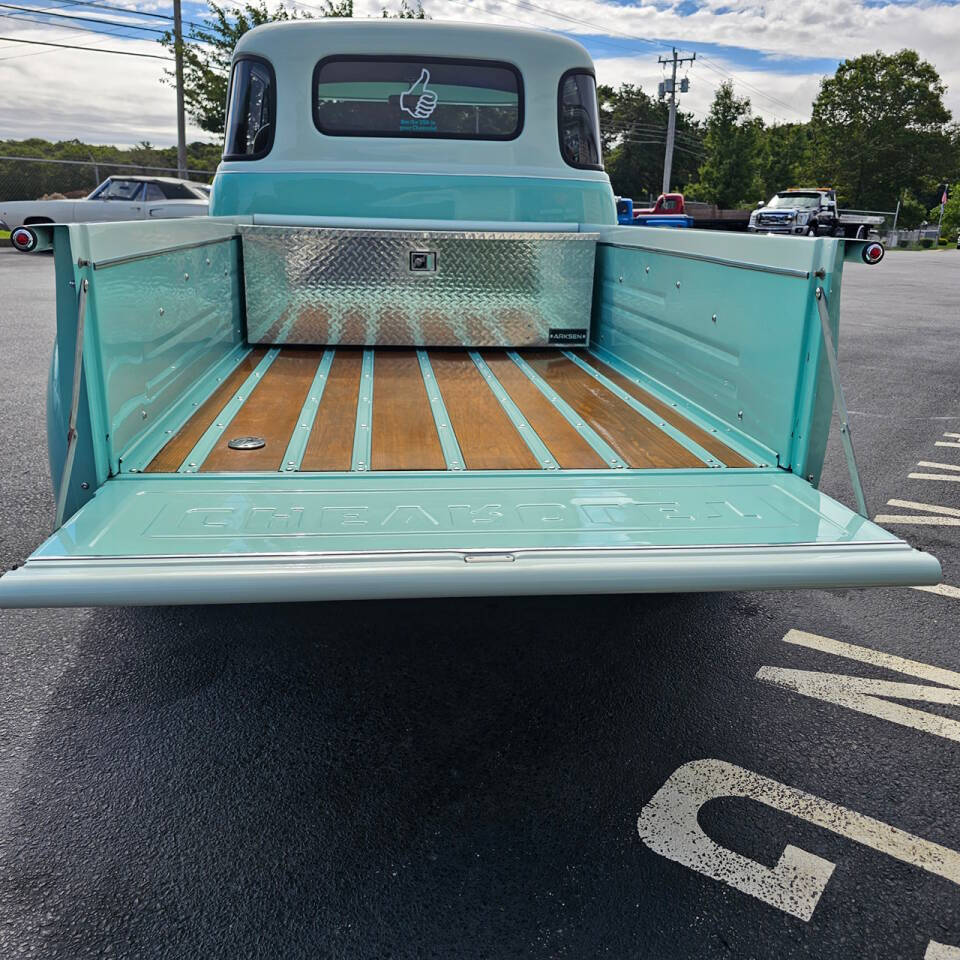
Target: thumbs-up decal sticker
(418, 101)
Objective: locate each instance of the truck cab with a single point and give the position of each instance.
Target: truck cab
(412, 353)
(668, 204)
(412, 119)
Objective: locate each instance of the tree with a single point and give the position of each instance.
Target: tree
(728, 177)
(208, 48)
(633, 130)
(912, 211)
(879, 127)
(782, 157)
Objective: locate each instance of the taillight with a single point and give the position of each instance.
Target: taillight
(872, 253)
(23, 239)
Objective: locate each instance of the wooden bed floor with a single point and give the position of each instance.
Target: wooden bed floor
(388, 409)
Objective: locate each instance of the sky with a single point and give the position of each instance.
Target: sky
(776, 52)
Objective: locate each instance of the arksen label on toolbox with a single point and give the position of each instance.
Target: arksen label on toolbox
(568, 335)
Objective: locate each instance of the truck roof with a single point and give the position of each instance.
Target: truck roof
(294, 48)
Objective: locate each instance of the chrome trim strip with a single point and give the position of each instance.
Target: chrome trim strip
(363, 429)
(865, 545)
(537, 447)
(146, 255)
(297, 446)
(74, 405)
(448, 439)
(701, 453)
(606, 452)
(667, 473)
(705, 258)
(206, 443)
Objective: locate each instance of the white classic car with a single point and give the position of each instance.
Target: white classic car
(117, 198)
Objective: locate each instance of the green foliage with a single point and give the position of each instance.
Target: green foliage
(880, 126)
(26, 180)
(730, 175)
(633, 129)
(950, 226)
(208, 48)
(782, 157)
(926, 242)
(406, 12)
(912, 212)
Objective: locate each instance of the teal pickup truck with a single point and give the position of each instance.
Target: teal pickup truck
(410, 353)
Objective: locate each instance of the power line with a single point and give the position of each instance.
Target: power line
(20, 18)
(637, 126)
(73, 46)
(139, 13)
(735, 77)
(59, 26)
(67, 16)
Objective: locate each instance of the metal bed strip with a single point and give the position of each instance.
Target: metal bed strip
(733, 437)
(364, 429)
(206, 443)
(297, 446)
(609, 455)
(448, 439)
(701, 453)
(537, 447)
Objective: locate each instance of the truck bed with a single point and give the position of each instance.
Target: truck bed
(342, 409)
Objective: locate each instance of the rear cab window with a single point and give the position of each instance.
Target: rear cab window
(251, 110)
(424, 97)
(578, 120)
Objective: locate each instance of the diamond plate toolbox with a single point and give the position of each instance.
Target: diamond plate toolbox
(307, 285)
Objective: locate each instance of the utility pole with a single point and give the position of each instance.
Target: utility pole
(181, 123)
(670, 86)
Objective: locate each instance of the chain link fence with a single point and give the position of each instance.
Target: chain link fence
(36, 178)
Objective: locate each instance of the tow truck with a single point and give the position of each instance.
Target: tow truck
(811, 212)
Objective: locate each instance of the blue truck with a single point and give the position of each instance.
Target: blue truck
(411, 353)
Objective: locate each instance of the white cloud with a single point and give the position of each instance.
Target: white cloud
(97, 97)
(60, 94)
(781, 29)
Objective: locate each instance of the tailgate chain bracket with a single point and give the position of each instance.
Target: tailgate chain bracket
(823, 310)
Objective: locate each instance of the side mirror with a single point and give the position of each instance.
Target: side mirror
(760, 203)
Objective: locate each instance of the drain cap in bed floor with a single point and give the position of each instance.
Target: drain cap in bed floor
(246, 443)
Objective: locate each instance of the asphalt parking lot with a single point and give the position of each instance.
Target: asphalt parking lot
(643, 777)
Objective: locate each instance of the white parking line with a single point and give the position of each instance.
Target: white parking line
(888, 661)
(929, 507)
(956, 435)
(938, 466)
(875, 698)
(946, 443)
(889, 518)
(943, 590)
(934, 476)
(941, 951)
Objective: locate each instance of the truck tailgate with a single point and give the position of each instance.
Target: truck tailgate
(230, 539)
